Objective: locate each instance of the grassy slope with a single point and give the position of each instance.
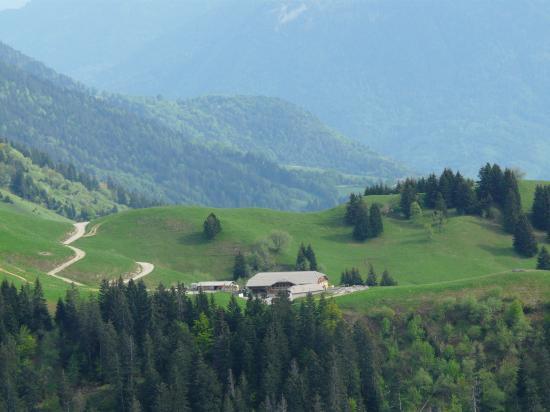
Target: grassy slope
(532, 287)
(170, 237)
(29, 244)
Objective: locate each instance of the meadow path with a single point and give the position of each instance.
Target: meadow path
(145, 268)
(80, 230)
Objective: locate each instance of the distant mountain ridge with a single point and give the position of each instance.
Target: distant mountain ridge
(431, 83)
(111, 136)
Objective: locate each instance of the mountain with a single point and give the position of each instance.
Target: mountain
(114, 137)
(431, 83)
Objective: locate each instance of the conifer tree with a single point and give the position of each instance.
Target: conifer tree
(361, 231)
(302, 263)
(212, 226)
(353, 209)
(525, 243)
(387, 280)
(376, 224)
(447, 186)
(408, 196)
(543, 262)
(431, 191)
(41, 319)
(311, 258)
(465, 197)
(371, 277)
(541, 208)
(240, 269)
(511, 211)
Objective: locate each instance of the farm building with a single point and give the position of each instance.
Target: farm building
(295, 284)
(215, 286)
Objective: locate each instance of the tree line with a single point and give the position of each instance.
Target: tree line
(495, 195)
(128, 349)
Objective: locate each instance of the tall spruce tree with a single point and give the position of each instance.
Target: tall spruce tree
(408, 196)
(447, 186)
(311, 258)
(525, 243)
(511, 211)
(353, 209)
(302, 264)
(361, 231)
(465, 198)
(431, 191)
(541, 208)
(371, 277)
(240, 269)
(375, 221)
(543, 262)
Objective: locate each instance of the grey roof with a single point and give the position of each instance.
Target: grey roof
(297, 278)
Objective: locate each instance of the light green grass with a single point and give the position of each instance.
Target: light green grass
(171, 238)
(30, 235)
(531, 287)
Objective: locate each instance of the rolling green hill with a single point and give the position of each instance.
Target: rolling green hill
(171, 238)
(177, 159)
(30, 238)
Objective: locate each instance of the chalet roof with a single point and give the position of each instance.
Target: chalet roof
(265, 279)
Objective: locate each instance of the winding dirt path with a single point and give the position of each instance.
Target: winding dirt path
(80, 230)
(145, 268)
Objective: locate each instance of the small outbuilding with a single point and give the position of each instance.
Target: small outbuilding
(295, 284)
(215, 286)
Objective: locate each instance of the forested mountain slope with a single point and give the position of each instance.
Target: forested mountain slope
(432, 83)
(281, 131)
(57, 187)
(108, 136)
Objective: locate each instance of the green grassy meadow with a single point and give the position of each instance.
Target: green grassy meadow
(469, 252)
(171, 238)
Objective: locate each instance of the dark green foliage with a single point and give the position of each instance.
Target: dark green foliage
(376, 226)
(408, 197)
(525, 243)
(306, 259)
(371, 277)
(362, 229)
(541, 208)
(240, 268)
(511, 211)
(302, 263)
(304, 357)
(380, 189)
(312, 259)
(543, 261)
(447, 187)
(465, 196)
(351, 277)
(387, 279)
(354, 208)
(212, 226)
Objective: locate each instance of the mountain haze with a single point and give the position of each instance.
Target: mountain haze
(432, 83)
(194, 159)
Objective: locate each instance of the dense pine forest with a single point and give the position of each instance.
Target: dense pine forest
(127, 349)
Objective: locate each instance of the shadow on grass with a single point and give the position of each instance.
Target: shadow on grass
(499, 251)
(194, 239)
